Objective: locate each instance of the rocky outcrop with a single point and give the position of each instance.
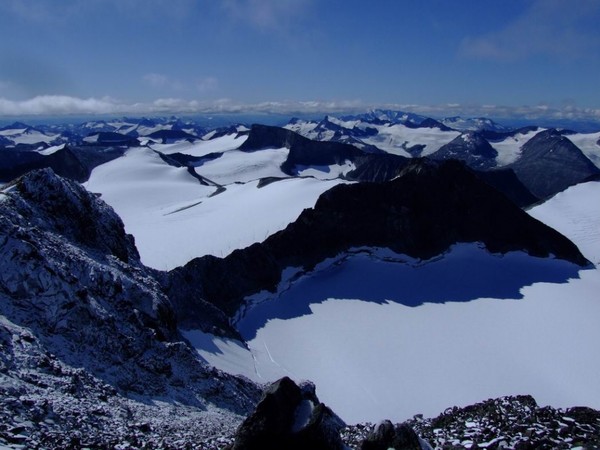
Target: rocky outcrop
(290, 417)
(387, 436)
(550, 162)
(427, 208)
(511, 422)
(85, 327)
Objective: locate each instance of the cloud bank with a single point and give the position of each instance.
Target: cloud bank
(62, 105)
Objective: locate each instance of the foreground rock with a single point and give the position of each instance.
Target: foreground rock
(290, 417)
(90, 355)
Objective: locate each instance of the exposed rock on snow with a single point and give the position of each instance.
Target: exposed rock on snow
(302, 151)
(89, 345)
(290, 417)
(421, 213)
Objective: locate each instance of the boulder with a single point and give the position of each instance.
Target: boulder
(290, 417)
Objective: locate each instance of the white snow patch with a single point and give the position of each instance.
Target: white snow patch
(175, 219)
(509, 149)
(237, 166)
(203, 148)
(51, 150)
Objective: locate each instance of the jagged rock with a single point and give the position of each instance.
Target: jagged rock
(290, 417)
(511, 422)
(550, 163)
(387, 436)
(88, 340)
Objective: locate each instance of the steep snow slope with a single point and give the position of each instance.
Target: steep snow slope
(575, 213)
(589, 143)
(530, 327)
(175, 218)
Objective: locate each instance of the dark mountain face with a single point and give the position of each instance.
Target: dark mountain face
(303, 151)
(550, 163)
(167, 136)
(16, 162)
(506, 181)
(107, 138)
(377, 168)
(471, 148)
(421, 213)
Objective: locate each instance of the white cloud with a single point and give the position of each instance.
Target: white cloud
(66, 105)
(556, 28)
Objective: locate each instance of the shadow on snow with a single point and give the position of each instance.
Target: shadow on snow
(467, 272)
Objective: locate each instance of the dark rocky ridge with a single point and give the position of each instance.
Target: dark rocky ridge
(73, 162)
(16, 162)
(303, 151)
(471, 148)
(550, 163)
(427, 208)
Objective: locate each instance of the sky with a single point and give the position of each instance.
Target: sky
(496, 58)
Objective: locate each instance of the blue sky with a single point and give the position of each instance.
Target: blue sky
(481, 57)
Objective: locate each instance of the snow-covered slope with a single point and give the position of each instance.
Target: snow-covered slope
(175, 218)
(359, 331)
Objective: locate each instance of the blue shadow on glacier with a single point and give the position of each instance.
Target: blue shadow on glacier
(467, 272)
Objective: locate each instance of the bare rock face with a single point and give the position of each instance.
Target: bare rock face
(470, 147)
(291, 417)
(550, 163)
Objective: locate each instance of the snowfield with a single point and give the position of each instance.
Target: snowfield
(384, 339)
(174, 218)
